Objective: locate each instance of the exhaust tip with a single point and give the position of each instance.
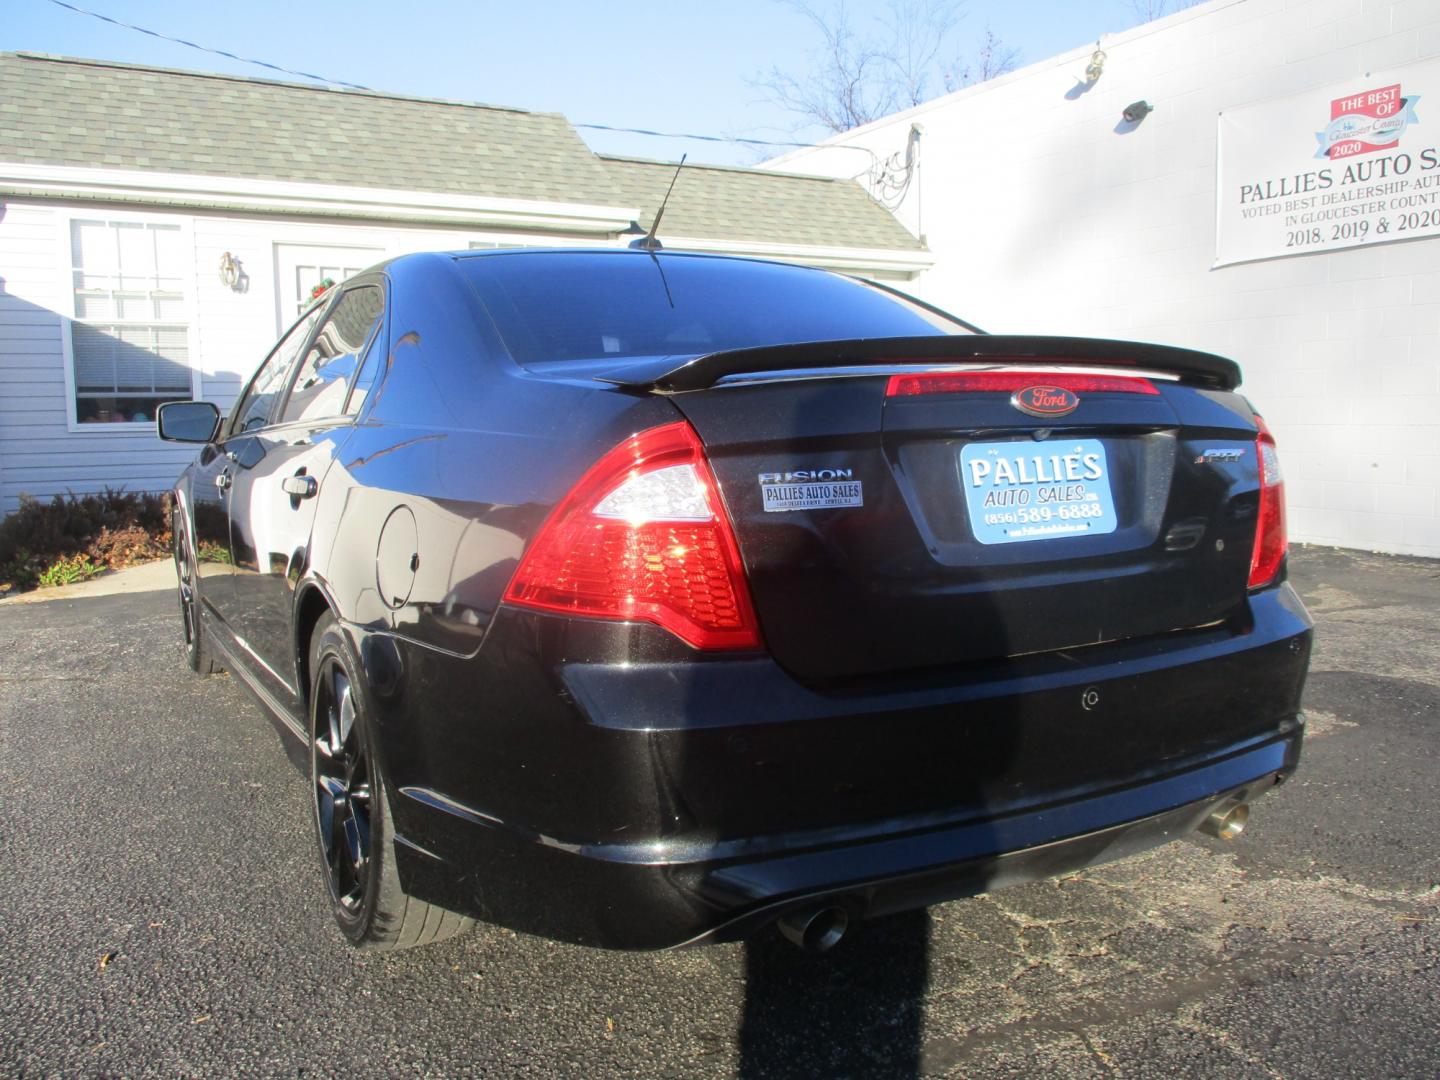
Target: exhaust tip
(1227, 822)
(815, 930)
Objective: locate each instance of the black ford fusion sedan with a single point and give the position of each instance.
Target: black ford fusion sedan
(644, 599)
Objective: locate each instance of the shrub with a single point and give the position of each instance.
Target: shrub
(127, 545)
(208, 551)
(112, 529)
(68, 569)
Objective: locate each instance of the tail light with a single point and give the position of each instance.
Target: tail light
(643, 536)
(1270, 539)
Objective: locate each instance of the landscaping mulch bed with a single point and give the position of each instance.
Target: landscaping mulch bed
(74, 537)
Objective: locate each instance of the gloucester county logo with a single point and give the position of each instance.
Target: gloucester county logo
(1045, 400)
(1366, 122)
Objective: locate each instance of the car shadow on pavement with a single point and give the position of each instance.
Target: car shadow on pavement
(854, 1011)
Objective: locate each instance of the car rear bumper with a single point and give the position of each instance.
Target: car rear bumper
(615, 898)
(945, 864)
(549, 785)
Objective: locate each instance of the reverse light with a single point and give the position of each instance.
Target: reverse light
(674, 493)
(643, 536)
(997, 382)
(1271, 541)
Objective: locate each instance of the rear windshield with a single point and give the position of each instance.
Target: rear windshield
(550, 306)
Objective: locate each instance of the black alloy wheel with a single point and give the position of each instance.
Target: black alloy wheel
(352, 812)
(197, 651)
(342, 787)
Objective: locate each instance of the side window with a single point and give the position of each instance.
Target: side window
(329, 367)
(254, 407)
(369, 371)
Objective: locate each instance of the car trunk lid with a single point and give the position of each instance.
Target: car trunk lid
(886, 530)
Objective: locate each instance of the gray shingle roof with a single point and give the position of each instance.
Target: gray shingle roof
(720, 203)
(60, 111)
(95, 113)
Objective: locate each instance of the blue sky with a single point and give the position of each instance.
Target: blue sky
(681, 66)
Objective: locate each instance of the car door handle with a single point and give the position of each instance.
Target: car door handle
(301, 487)
(222, 480)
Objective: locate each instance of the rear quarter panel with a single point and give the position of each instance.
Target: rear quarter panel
(474, 449)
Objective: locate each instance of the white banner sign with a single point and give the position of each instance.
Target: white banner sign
(1356, 163)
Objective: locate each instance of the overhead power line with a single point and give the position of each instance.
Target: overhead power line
(686, 135)
(205, 48)
(357, 86)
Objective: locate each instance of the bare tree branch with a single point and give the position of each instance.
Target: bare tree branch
(844, 88)
(1150, 10)
(918, 30)
(992, 59)
(857, 75)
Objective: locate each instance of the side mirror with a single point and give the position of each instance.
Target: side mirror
(188, 421)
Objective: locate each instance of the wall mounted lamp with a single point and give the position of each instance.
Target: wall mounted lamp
(1137, 111)
(1096, 67)
(232, 274)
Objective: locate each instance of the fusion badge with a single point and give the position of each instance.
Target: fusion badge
(810, 489)
(1045, 400)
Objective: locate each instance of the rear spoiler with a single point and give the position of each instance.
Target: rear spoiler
(806, 359)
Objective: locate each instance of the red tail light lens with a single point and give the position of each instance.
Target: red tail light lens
(1271, 541)
(996, 382)
(643, 536)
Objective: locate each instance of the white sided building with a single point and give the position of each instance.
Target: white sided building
(160, 228)
(1273, 196)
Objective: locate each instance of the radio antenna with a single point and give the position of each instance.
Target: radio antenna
(648, 242)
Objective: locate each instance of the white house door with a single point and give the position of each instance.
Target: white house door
(300, 267)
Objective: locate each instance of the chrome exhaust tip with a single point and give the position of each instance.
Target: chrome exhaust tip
(1227, 822)
(815, 930)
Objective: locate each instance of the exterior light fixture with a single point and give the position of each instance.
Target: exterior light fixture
(1096, 67)
(232, 274)
(1137, 111)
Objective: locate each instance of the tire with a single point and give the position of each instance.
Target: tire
(192, 627)
(354, 830)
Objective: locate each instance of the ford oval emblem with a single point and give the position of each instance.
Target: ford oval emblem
(1045, 400)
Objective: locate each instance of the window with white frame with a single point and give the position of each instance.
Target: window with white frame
(129, 340)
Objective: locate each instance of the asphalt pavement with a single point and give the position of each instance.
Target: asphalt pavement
(161, 913)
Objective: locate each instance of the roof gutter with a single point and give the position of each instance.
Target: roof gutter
(252, 195)
(907, 262)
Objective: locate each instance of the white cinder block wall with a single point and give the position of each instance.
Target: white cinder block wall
(1046, 218)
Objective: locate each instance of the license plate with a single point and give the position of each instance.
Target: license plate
(1037, 490)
